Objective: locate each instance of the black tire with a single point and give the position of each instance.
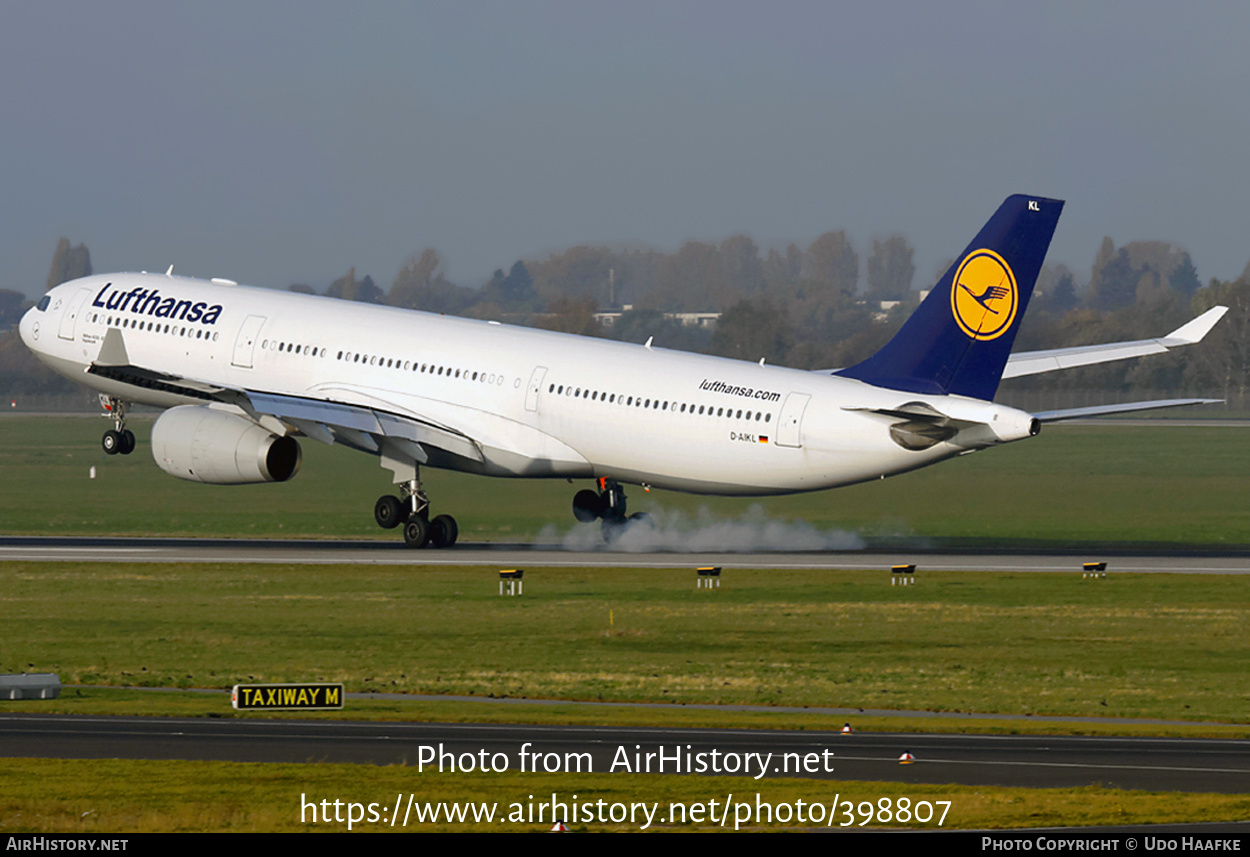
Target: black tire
(112, 442)
(388, 512)
(127, 444)
(587, 506)
(416, 532)
(443, 531)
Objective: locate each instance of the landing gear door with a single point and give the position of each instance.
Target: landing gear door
(790, 426)
(245, 345)
(70, 317)
(531, 392)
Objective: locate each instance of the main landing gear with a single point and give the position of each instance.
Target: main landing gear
(607, 504)
(119, 440)
(412, 512)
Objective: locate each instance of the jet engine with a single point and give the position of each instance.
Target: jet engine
(205, 445)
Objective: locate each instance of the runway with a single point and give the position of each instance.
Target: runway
(1157, 764)
(362, 552)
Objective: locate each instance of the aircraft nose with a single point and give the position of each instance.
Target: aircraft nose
(34, 322)
(30, 327)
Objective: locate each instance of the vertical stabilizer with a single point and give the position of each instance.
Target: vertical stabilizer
(958, 341)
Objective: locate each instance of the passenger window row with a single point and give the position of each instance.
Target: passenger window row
(658, 404)
(292, 348)
(153, 327)
(491, 378)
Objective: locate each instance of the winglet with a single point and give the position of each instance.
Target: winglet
(1193, 331)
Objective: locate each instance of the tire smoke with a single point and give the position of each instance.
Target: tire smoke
(673, 530)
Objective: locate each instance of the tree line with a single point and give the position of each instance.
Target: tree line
(799, 307)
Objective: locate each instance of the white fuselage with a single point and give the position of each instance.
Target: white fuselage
(535, 403)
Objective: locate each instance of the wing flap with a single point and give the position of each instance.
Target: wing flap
(331, 414)
(428, 435)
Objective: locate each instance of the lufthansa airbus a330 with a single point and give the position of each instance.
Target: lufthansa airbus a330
(244, 372)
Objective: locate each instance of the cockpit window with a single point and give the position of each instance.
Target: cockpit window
(42, 306)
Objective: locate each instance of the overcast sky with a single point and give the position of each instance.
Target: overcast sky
(274, 143)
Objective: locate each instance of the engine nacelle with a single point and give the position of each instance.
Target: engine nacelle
(205, 445)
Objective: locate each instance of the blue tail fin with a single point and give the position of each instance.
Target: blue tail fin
(958, 340)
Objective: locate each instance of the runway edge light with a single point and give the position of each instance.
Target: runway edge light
(1094, 569)
(903, 574)
(707, 574)
(511, 579)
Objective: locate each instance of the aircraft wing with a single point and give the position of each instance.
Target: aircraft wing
(424, 431)
(1036, 362)
(363, 427)
(328, 422)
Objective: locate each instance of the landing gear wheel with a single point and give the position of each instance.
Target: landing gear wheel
(118, 440)
(416, 532)
(587, 506)
(443, 531)
(388, 512)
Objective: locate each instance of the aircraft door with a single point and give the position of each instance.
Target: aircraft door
(790, 425)
(536, 383)
(70, 317)
(245, 345)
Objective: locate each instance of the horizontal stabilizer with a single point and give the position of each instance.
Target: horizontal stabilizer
(1036, 362)
(1126, 407)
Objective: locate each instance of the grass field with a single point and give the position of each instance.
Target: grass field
(134, 797)
(1072, 485)
(1160, 646)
